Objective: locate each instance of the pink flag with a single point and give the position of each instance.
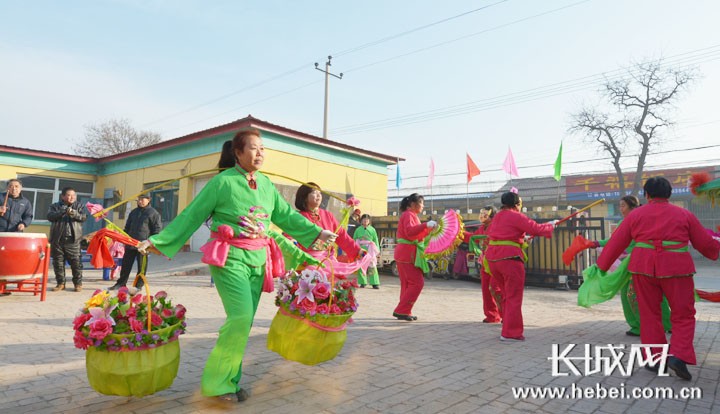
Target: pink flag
(432, 173)
(509, 164)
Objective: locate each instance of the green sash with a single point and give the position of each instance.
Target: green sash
(420, 250)
(511, 243)
(664, 243)
(475, 247)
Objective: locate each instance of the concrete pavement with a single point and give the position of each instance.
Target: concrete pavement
(447, 361)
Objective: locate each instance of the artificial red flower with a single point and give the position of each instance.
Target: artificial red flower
(79, 321)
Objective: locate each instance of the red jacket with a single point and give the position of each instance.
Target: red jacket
(512, 225)
(327, 221)
(467, 235)
(654, 223)
(409, 228)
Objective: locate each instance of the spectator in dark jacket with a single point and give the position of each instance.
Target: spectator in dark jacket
(16, 211)
(66, 231)
(143, 222)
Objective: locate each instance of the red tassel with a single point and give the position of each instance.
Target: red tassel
(698, 179)
(710, 296)
(579, 244)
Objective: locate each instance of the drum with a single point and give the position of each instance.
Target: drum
(22, 255)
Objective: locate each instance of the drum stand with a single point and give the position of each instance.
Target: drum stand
(35, 285)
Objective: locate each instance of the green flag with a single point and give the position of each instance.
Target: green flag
(558, 165)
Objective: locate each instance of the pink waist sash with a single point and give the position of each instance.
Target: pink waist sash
(345, 268)
(216, 251)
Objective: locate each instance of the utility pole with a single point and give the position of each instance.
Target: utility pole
(327, 85)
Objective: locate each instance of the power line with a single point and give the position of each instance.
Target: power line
(306, 65)
(700, 56)
(466, 36)
(386, 39)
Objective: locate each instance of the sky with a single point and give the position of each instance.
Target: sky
(421, 78)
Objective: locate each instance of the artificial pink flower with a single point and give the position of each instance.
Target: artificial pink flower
(322, 290)
(100, 329)
(81, 341)
(137, 298)
(335, 310)
(95, 208)
(180, 311)
(166, 313)
(352, 201)
(79, 322)
(122, 296)
(131, 312)
(161, 294)
(135, 325)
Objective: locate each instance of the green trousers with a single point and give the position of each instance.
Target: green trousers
(628, 298)
(372, 275)
(239, 287)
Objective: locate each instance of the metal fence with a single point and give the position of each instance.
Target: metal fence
(545, 267)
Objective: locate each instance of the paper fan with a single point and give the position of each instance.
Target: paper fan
(446, 237)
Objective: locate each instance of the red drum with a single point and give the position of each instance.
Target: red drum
(22, 255)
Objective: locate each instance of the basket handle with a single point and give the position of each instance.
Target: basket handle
(332, 277)
(141, 274)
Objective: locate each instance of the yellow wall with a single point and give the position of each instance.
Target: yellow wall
(368, 187)
(9, 171)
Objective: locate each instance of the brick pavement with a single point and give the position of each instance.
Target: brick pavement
(447, 361)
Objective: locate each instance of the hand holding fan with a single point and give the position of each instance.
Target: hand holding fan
(445, 237)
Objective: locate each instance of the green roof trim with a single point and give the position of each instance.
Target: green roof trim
(50, 164)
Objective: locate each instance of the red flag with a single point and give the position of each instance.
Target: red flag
(472, 169)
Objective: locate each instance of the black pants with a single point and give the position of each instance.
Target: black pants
(62, 250)
(130, 256)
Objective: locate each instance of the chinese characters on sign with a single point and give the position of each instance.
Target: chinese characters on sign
(608, 185)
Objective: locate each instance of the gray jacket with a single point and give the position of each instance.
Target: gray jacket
(19, 210)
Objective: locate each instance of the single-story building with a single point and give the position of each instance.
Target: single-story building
(339, 168)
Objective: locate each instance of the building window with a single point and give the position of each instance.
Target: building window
(43, 191)
(165, 200)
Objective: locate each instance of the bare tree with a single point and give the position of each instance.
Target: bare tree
(640, 106)
(113, 137)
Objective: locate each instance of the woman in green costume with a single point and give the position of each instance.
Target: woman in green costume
(598, 288)
(238, 257)
(365, 234)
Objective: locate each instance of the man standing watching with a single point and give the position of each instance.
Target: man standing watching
(65, 234)
(16, 211)
(143, 222)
